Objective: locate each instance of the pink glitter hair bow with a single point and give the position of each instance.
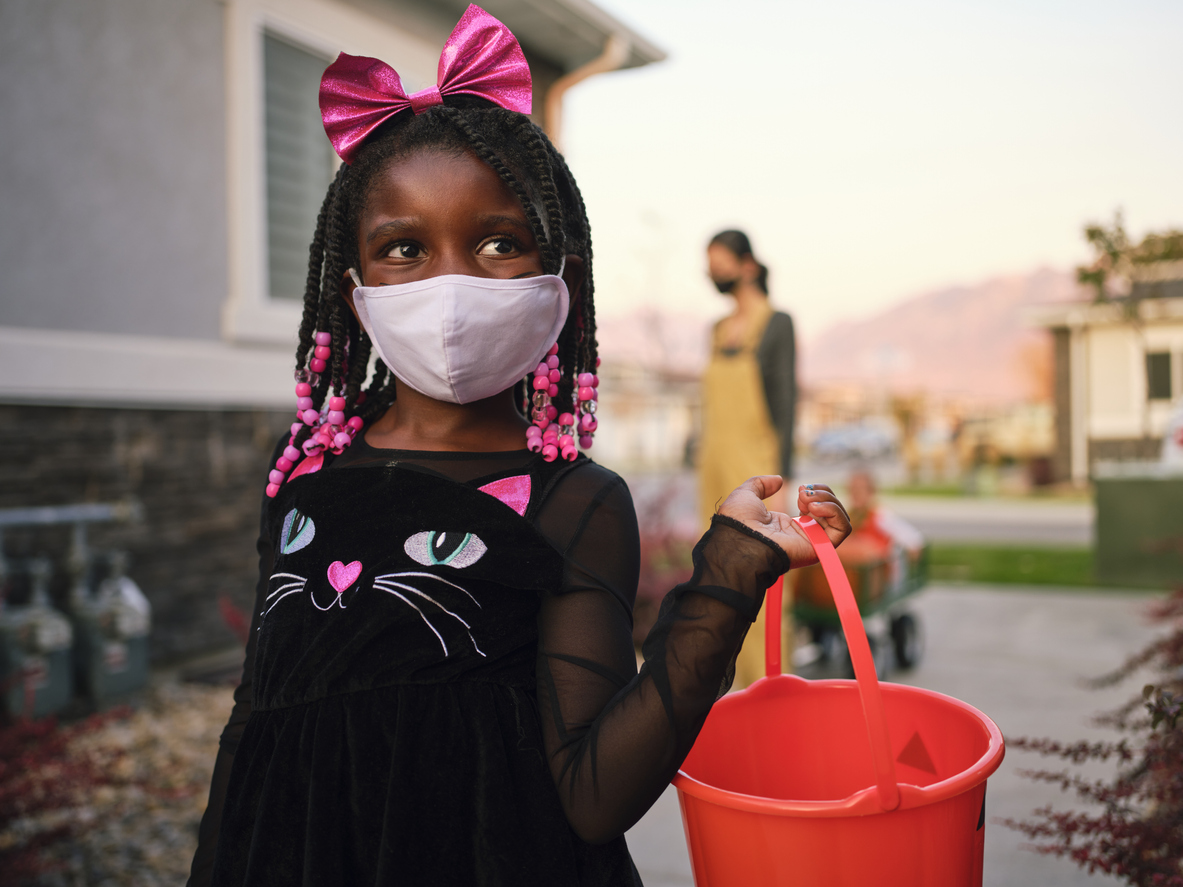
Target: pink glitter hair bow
(481, 58)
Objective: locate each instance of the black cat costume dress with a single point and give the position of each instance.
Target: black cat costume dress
(441, 686)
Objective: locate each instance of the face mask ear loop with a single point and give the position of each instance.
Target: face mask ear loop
(356, 277)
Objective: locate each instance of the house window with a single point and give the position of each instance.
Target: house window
(1158, 375)
(300, 161)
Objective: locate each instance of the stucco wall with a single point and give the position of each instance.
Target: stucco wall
(112, 197)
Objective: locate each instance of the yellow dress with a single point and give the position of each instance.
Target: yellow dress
(738, 442)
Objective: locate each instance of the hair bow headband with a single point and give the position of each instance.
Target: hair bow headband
(481, 58)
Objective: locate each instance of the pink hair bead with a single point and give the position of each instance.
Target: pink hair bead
(566, 440)
(541, 421)
(587, 422)
(541, 370)
(597, 363)
(550, 432)
(566, 419)
(275, 476)
(284, 465)
(533, 431)
(595, 394)
(553, 390)
(585, 380)
(336, 417)
(570, 453)
(310, 417)
(303, 389)
(585, 441)
(587, 393)
(355, 422)
(342, 440)
(316, 365)
(324, 338)
(324, 352)
(336, 403)
(550, 452)
(297, 426)
(541, 383)
(553, 361)
(291, 453)
(595, 381)
(312, 446)
(551, 412)
(304, 403)
(554, 349)
(272, 490)
(554, 376)
(534, 444)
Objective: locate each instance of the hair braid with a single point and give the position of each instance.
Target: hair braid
(486, 153)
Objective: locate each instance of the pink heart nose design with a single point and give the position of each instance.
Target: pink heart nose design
(342, 576)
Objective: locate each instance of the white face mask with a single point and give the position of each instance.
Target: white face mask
(460, 339)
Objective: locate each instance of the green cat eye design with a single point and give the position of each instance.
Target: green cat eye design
(438, 548)
(298, 531)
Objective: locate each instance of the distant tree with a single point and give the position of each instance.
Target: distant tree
(1117, 262)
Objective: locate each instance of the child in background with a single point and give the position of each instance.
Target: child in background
(877, 534)
(440, 685)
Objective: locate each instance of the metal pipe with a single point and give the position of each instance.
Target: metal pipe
(616, 52)
(89, 512)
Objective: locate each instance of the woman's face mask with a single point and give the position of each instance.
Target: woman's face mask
(461, 339)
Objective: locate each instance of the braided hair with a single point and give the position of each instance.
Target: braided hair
(525, 160)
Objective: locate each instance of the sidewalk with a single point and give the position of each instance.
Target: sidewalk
(1018, 654)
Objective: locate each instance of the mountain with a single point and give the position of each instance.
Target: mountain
(960, 341)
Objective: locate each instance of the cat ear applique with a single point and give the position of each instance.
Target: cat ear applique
(513, 491)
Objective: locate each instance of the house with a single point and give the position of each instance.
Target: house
(1118, 368)
(165, 163)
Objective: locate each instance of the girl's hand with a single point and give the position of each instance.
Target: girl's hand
(745, 504)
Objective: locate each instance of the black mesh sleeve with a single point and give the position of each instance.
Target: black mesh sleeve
(616, 737)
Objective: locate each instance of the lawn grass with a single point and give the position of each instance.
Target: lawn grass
(1011, 565)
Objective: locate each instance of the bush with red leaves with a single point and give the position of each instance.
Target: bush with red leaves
(1137, 832)
(43, 780)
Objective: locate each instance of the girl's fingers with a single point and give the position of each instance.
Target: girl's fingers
(819, 502)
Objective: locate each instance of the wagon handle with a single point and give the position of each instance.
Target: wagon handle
(860, 656)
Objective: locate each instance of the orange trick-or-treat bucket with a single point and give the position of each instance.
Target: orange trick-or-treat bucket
(837, 782)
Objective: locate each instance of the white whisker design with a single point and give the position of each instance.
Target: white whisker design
(286, 576)
(417, 610)
(386, 586)
(280, 598)
(411, 574)
(285, 588)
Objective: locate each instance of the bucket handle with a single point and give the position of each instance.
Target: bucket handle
(860, 656)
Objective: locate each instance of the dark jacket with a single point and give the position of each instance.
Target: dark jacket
(777, 356)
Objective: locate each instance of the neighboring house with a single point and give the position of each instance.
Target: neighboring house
(1118, 367)
(164, 164)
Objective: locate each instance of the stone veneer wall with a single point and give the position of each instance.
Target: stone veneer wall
(199, 475)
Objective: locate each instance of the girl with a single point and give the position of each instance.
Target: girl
(441, 686)
(749, 403)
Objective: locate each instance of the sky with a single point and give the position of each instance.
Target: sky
(874, 151)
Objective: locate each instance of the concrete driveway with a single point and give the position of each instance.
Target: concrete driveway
(1019, 655)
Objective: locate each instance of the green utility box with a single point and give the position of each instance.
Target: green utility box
(1139, 524)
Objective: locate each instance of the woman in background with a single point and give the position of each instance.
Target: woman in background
(749, 402)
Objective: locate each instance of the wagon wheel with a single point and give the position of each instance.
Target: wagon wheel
(908, 640)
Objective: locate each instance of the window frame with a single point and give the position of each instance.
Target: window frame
(250, 314)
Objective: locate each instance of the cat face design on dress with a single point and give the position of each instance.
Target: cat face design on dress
(413, 588)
